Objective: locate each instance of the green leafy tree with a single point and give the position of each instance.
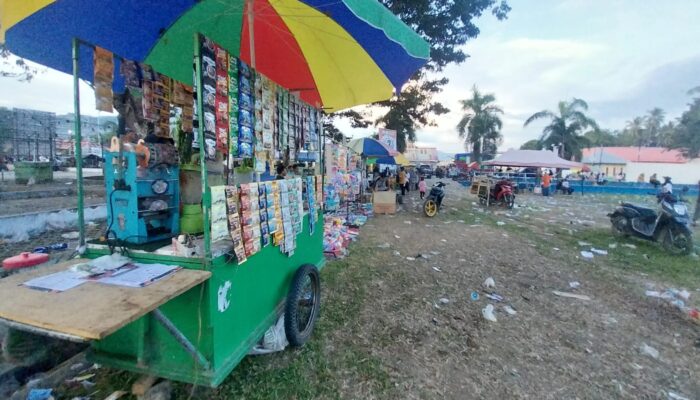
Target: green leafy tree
(686, 136)
(601, 137)
(565, 127)
(480, 127)
(533, 144)
(15, 67)
(447, 26)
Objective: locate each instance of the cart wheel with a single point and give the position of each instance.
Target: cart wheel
(303, 305)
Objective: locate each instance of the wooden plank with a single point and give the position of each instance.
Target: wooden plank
(91, 310)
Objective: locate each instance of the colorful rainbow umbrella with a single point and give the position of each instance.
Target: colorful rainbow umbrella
(335, 53)
(398, 159)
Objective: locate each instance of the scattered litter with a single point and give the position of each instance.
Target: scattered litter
(81, 378)
(407, 222)
(504, 235)
(612, 245)
(649, 351)
(462, 260)
(555, 248)
(116, 395)
(40, 394)
(587, 255)
(444, 300)
(474, 296)
(637, 366)
(509, 310)
(437, 269)
(410, 259)
(631, 246)
(674, 396)
(571, 295)
(584, 244)
(397, 236)
(494, 296)
(71, 235)
(396, 253)
(599, 252)
(646, 256)
(500, 223)
(489, 283)
(487, 313)
(435, 253)
(443, 240)
(384, 246)
(574, 284)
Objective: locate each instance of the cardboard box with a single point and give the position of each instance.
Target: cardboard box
(384, 202)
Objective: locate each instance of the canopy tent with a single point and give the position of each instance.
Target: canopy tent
(335, 54)
(532, 158)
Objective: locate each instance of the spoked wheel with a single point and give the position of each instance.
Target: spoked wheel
(303, 305)
(509, 201)
(677, 240)
(430, 208)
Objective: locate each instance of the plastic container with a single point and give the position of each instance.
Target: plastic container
(24, 260)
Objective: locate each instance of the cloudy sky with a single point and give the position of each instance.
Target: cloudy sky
(622, 56)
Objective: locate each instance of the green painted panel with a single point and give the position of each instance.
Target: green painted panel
(221, 21)
(256, 292)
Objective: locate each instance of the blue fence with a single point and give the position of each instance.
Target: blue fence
(527, 182)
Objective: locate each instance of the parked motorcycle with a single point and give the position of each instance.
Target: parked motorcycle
(670, 225)
(501, 193)
(433, 202)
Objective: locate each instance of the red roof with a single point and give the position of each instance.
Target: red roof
(643, 154)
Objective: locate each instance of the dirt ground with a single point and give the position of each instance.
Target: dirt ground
(399, 321)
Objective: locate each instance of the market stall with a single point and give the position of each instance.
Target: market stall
(189, 307)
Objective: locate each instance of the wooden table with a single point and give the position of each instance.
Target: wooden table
(92, 310)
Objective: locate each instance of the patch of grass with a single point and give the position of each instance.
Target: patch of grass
(647, 257)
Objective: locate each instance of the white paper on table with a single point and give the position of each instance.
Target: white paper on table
(58, 282)
(142, 275)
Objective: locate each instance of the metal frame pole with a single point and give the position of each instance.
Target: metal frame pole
(78, 141)
(206, 192)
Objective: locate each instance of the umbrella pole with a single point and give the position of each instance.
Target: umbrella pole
(78, 141)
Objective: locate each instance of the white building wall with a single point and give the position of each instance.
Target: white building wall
(688, 173)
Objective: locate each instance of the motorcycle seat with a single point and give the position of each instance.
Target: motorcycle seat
(644, 212)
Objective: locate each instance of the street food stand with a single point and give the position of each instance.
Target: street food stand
(235, 120)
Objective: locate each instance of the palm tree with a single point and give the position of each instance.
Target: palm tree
(565, 127)
(480, 127)
(636, 129)
(653, 123)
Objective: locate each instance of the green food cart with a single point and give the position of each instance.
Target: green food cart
(198, 323)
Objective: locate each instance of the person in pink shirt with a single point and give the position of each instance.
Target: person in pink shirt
(422, 187)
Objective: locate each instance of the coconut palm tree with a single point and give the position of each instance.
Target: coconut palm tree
(565, 127)
(653, 122)
(480, 127)
(636, 129)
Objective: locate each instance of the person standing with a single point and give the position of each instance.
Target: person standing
(422, 187)
(546, 182)
(408, 181)
(402, 181)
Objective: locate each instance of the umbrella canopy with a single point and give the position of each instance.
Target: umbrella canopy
(398, 159)
(368, 147)
(336, 54)
(532, 158)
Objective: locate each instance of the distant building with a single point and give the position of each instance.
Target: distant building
(27, 134)
(421, 155)
(633, 161)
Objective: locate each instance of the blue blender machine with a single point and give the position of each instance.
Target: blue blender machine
(143, 192)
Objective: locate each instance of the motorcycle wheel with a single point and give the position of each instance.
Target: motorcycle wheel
(430, 208)
(619, 225)
(509, 201)
(677, 241)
